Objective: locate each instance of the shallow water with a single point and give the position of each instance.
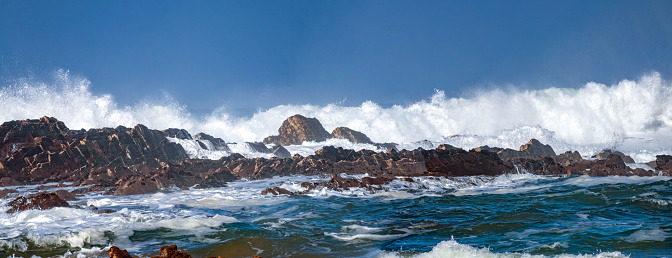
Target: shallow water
(507, 216)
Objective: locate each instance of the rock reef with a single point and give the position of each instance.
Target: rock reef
(138, 160)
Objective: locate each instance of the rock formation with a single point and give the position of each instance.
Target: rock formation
(40, 201)
(351, 135)
(126, 161)
(298, 129)
(215, 143)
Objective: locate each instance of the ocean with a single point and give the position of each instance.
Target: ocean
(512, 215)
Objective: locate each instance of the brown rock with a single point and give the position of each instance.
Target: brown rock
(65, 195)
(297, 129)
(569, 158)
(116, 252)
(281, 152)
(532, 150)
(605, 153)
(664, 163)
(351, 135)
(40, 201)
(170, 251)
(5, 192)
(447, 161)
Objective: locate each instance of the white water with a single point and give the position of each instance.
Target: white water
(632, 116)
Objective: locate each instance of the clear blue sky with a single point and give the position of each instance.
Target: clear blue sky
(246, 55)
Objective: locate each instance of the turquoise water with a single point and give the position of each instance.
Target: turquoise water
(507, 215)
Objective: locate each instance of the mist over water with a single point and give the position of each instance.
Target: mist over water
(633, 116)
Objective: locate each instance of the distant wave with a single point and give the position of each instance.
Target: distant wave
(595, 115)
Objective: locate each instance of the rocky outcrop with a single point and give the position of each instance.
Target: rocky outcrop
(569, 158)
(531, 150)
(298, 129)
(664, 163)
(605, 154)
(116, 252)
(281, 152)
(40, 201)
(350, 135)
(170, 251)
(209, 142)
(447, 160)
(131, 160)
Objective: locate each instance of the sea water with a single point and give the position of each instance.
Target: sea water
(514, 215)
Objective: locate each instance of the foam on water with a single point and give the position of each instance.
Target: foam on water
(631, 116)
(451, 248)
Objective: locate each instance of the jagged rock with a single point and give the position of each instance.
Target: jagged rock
(664, 163)
(298, 129)
(613, 165)
(605, 153)
(281, 152)
(177, 133)
(542, 166)
(351, 135)
(447, 160)
(170, 251)
(487, 148)
(387, 146)
(569, 158)
(532, 150)
(217, 143)
(258, 147)
(40, 201)
(116, 252)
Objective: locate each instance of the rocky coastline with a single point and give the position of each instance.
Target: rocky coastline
(139, 160)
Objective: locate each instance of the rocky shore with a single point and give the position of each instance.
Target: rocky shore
(138, 160)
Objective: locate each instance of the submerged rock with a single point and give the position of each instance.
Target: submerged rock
(298, 129)
(40, 201)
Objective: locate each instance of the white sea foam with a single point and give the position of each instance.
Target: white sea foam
(631, 116)
(655, 234)
(587, 181)
(451, 248)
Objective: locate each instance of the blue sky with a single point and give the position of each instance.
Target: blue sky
(245, 55)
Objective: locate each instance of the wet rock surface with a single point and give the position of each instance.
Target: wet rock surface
(351, 135)
(39, 201)
(298, 129)
(127, 161)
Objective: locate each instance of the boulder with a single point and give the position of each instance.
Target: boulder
(217, 143)
(40, 201)
(298, 129)
(281, 152)
(116, 252)
(177, 133)
(664, 163)
(532, 150)
(605, 153)
(350, 135)
(170, 251)
(569, 158)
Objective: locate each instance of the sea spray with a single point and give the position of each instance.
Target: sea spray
(633, 116)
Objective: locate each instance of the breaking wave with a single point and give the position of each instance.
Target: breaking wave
(632, 116)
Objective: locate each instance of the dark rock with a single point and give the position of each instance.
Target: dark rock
(298, 129)
(217, 143)
(281, 152)
(387, 146)
(5, 192)
(177, 133)
(116, 252)
(664, 163)
(532, 150)
(569, 158)
(605, 153)
(542, 166)
(447, 161)
(351, 135)
(65, 195)
(40, 201)
(258, 147)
